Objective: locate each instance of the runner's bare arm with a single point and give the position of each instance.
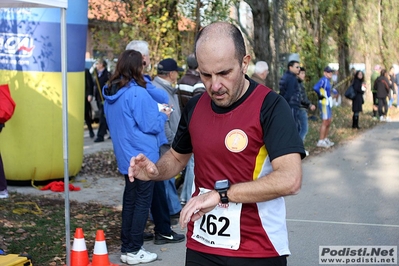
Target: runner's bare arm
(285, 180)
(169, 165)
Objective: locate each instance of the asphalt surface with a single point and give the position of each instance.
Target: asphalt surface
(349, 197)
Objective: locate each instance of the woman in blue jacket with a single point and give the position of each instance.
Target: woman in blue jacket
(135, 123)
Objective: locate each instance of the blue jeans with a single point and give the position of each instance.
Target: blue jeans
(303, 123)
(135, 207)
(172, 197)
(188, 181)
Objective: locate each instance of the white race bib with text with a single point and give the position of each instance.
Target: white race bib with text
(220, 227)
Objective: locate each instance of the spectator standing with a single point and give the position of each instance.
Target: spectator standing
(393, 88)
(166, 79)
(159, 205)
(235, 181)
(191, 81)
(89, 85)
(134, 121)
(261, 72)
(187, 82)
(382, 87)
(374, 77)
(357, 102)
(323, 90)
(101, 76)
(290, 90)
(305, 105)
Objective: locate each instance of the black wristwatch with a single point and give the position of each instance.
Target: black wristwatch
(222, 186)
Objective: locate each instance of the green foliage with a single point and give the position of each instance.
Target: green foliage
(155, 21)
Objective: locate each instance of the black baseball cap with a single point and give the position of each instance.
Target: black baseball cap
(168, 64)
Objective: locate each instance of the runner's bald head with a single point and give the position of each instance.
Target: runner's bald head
(222, 31)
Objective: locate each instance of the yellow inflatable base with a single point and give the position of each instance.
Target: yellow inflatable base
(31, 144)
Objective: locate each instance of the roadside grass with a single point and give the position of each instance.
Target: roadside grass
(36, 224)
(341, 126)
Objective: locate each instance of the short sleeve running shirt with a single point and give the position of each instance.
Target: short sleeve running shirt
(238, 143)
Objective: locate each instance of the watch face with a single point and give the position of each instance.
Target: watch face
(222, 184)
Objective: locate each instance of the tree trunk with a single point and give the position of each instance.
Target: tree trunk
(261, 39)
(343, 45)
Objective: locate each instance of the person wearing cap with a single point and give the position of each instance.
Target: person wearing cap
(374, 77)
(323, 91)
(261, 72)
(166, 79)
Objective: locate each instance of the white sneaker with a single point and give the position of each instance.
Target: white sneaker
(4, 194)
(329, 142)
(388, 119)
(123, 258)
(322, 143)
(143, 256)
(382, 118)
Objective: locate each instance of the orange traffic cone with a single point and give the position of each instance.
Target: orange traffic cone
(100, 254)
(79, 254)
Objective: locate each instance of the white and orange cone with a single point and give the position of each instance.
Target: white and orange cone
(100, 254)
(79, 254)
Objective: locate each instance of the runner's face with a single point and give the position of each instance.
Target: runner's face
(221, 73)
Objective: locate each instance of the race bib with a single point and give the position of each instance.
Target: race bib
(220, 227)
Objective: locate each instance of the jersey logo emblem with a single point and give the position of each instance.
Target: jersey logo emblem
(236, 140)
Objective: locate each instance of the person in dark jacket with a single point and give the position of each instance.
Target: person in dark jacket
(357, 102)
(185, 89)
(289, 88)
(88, 98)
(101, 77)
(382, 87)
(305, 105)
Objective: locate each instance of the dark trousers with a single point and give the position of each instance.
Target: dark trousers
(102, 128)
(355, 120)
(382, 106)
(88, 118)
(195, 258)
(3, 181)
(160, 210)
(135, 207)
(375, 102)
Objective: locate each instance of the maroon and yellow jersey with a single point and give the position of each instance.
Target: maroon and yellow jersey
(238, 143)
